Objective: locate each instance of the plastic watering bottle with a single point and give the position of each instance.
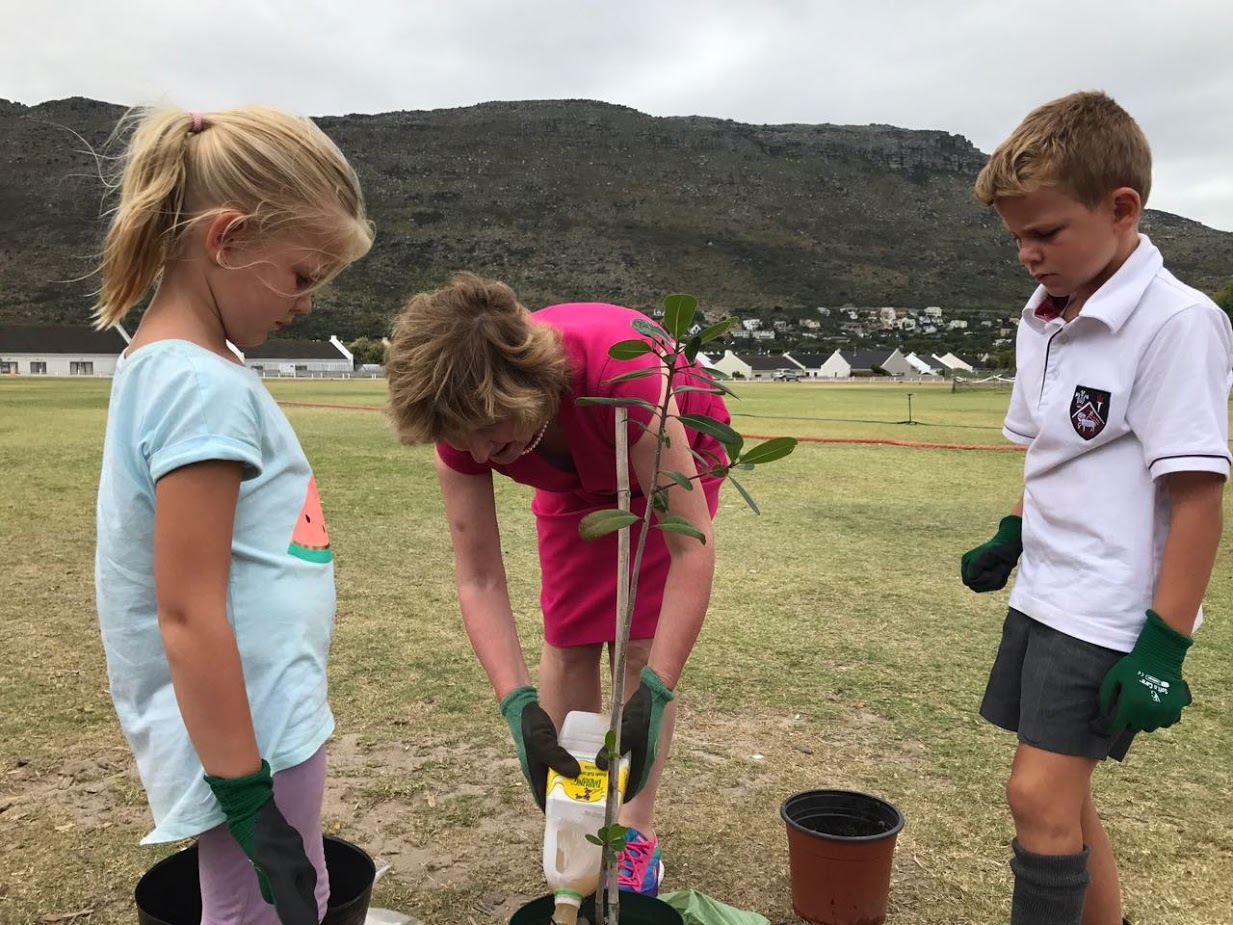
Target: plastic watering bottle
(574, 809)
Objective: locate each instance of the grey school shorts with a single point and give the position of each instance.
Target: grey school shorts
(1045, 686)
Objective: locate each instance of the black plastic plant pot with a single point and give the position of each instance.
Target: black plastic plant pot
(636, 909)
(169, 893)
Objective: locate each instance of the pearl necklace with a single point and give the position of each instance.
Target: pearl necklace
(534, 443)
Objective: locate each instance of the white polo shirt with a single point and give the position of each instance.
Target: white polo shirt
(1135, 387)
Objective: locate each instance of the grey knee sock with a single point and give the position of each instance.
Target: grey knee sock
(1049, 888)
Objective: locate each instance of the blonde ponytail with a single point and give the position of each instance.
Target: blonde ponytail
(146, 221)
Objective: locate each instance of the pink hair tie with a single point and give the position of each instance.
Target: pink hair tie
(196, 123)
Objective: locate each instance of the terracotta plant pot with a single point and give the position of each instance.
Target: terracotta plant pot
(840, 848)
(169, 893)
(636, 909)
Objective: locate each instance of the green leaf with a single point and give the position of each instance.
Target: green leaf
(601, 523)
(719, 329)
(709, 379)
(720, 471)
(705, 424)
(649, 328)
(692, 348)
(659, 500)
(637, 374)
(628, 349)
(705, 461)
(677, 524)
(594, 840)
(776, 448)
(679, 314)
(712, 458)
(744, 494)
(677, 390)
(680, 478)
(620, 402)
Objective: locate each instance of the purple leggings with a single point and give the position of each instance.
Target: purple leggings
(229, 891)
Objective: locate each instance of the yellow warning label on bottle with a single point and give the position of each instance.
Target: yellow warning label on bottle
(591, 784)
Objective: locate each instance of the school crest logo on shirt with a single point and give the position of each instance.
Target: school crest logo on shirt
(1089, 411)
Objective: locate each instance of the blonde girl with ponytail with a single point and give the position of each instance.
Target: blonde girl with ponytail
(214, 574)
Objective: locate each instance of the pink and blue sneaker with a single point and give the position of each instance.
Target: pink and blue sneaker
(640, 866)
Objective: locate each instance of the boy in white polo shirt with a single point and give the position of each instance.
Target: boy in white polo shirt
(1121, 397)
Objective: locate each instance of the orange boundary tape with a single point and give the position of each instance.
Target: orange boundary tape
(326, 404)
(914, 444)
(875, 441)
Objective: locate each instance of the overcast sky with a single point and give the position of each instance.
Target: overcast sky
(973, 67)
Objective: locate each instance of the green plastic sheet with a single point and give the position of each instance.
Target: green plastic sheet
(699, 909)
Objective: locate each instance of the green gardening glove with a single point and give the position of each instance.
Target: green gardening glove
(1145, 690)
(286, 876)
(988, 566)
(640, 724)
(536, 738)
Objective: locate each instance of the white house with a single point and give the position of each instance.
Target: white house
(763, 366)
(60, 350)
(893, 363)
(843, 363)
(951, 363)
(810, 363)
(732, 365)
(924, 367)
(278, 357)
(836, 366)
(755, 366)
(897, 364)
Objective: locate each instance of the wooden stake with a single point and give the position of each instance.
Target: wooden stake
(607, 907)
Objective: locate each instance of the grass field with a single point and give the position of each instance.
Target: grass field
(841, 650)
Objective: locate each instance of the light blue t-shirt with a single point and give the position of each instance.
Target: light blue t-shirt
(174, 403)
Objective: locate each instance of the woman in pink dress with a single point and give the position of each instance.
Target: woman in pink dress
(494, 387)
